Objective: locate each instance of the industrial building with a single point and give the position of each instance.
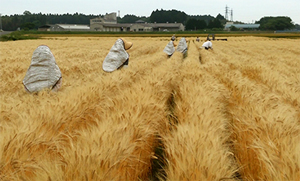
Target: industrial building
(143, 26)
(109, 23)
(64, 27)
(241, 26)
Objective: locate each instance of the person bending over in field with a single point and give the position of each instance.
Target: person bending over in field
(117, 57)
(182, 45)
(170, 48)
(207, 45)
(43, 71)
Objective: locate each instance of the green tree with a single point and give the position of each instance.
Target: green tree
(215, 23)
(194, 24)
(233, 28)
(171, 16)
(275, 23)
(206, 18)
(26, 13)
(28, 26)
(129, 18)
(220, 17)
(191, 24)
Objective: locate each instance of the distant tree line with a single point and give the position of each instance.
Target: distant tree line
(130, 18)
(191, 22)
(205, 22)
(275, 23)
(170, 16)
(29, 21)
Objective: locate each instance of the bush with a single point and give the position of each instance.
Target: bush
(17, 35)
(233, 28)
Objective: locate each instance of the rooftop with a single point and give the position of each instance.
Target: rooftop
(74, 26)
(228, 25)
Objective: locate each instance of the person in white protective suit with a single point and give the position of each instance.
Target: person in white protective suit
(170, 48)
(43, 71)
(207, 45)
(182, 46)
(117, 57)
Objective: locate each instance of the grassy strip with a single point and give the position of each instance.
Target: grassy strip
(162, 34)
(293, 36)
(24, 35)
(17, 35)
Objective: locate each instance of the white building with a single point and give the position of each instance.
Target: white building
(64, 27)
(109, 24)
(71, 27)
(241, 26)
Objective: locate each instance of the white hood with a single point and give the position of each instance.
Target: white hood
(43, 71)
(116, 57)
(182, 46)
(169, 49)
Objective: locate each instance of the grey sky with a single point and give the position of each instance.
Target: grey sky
(246, 11)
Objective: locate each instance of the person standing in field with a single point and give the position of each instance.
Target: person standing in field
(117, 56)
(173, 38)
(170, 48)
(182, 45)
(197, 39)
(43, 71)
(207, 45)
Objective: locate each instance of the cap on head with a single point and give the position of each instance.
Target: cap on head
(127, 44)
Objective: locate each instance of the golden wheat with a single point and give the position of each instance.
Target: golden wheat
(231, 113)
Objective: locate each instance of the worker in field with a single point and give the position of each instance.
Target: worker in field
(43, 71)
(182, 45)
(197, 39)
(170, 48)
(117, 57)
(173, 38)
(207, 45)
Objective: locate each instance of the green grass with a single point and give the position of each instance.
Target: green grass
(17, 35)
(24, 35)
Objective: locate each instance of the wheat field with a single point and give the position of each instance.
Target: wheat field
(228, 114)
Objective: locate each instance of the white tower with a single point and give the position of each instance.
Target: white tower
(226, 12)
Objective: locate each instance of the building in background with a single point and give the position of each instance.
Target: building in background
(46, 27)
(70, 27)
(241, 26)
(109, 23)
(64, 27)
(144, 26)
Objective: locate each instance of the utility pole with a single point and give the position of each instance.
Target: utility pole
(231, 15)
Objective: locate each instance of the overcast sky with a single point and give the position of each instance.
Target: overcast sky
(246, 11)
